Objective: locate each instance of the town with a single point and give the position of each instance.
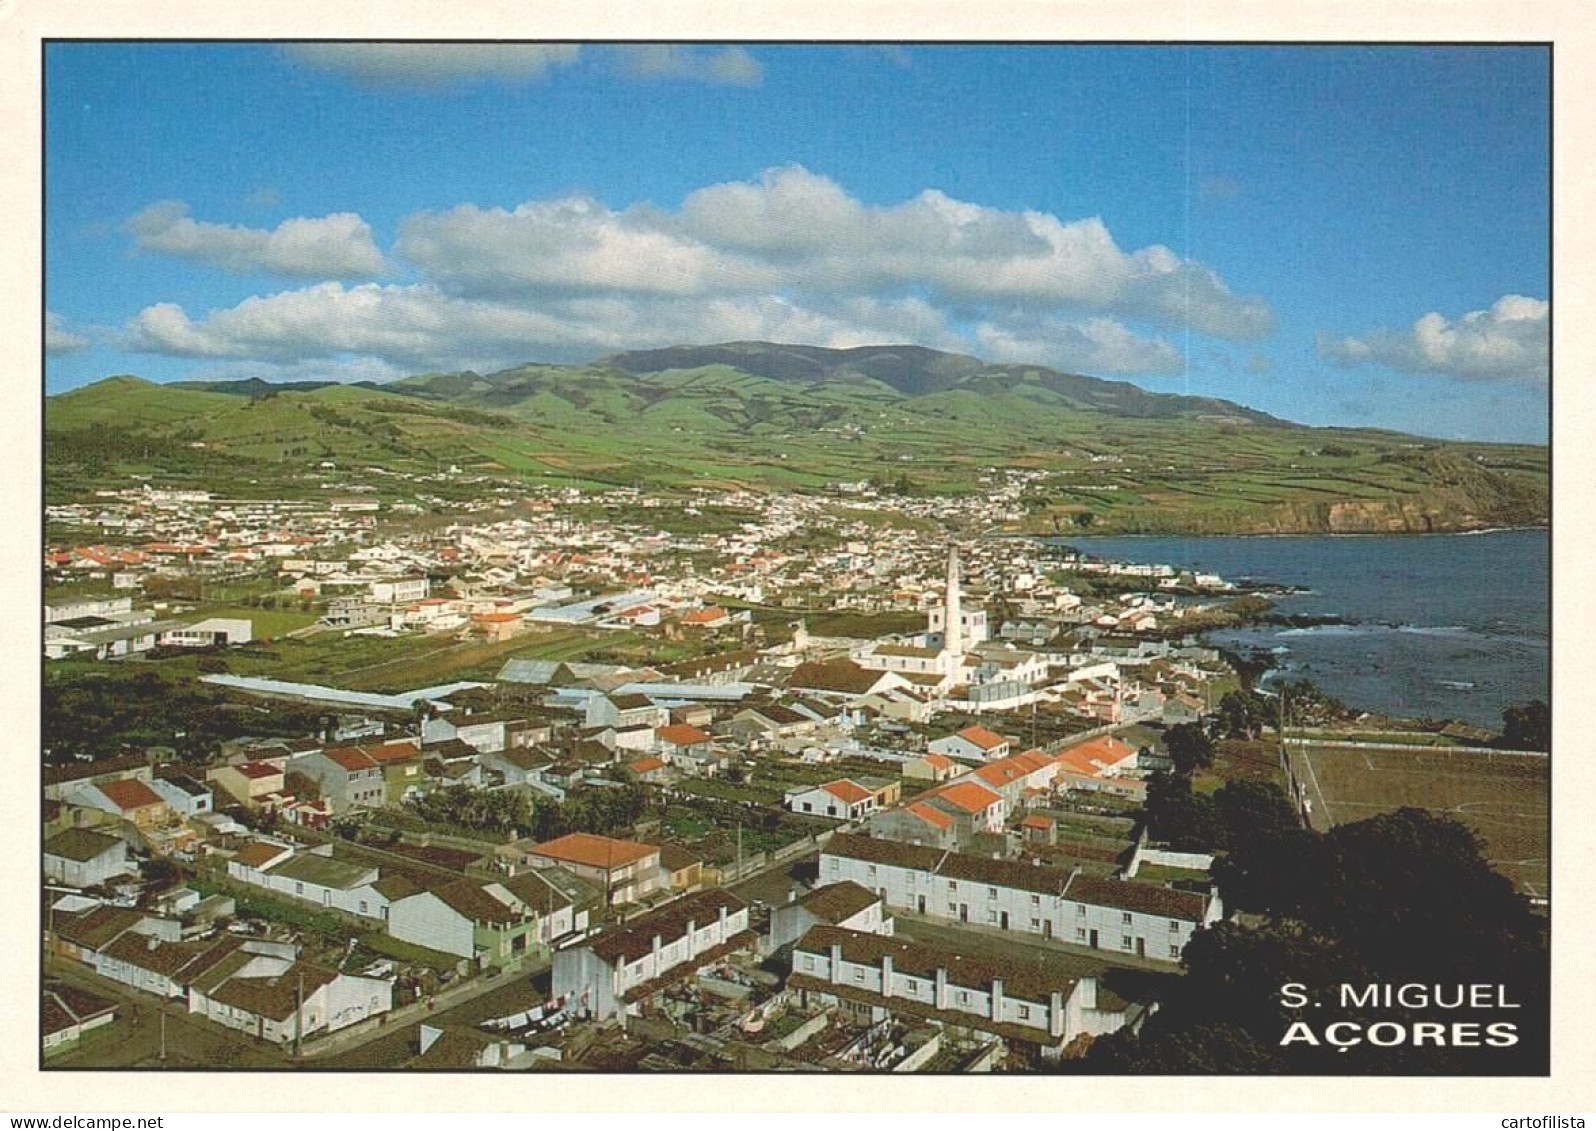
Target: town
(612, 780)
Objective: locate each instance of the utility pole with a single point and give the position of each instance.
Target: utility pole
(163, 1031)
(299, 1013)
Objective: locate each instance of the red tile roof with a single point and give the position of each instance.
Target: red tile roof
(130, 794)
(593, 851)
(351, 758)
(967, 795)
(846, 790)
(930, 816)
(680, 734)
(980, 736)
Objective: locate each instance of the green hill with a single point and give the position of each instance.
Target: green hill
(801, 417)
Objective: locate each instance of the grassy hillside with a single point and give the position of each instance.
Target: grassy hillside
(1117, 458)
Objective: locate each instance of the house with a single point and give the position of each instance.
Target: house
(844, 904)
(843, 800)
(842, 678)
(917, 823)
(465, 918)
(973, 807)
(651, 770)
(66, 1013)
(873, 977)
(280, 998)
(625, 870)
(621, 970)
(1039, 828)
(399, 592)
(401, 765)
(248, 783)
(931, 767)
(83, 858)
(680, 870)
(1126, 916)
(769, 720)
(187, 797)
(211, 633)
(973, 742)
(316, 877)
(1100, 766)
(682, 745)
(347, 776)
(497, 626)
(711, 617)
(624, 712)
(519, 766)
(131, 800)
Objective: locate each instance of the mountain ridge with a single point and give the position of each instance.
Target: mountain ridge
(778, 417)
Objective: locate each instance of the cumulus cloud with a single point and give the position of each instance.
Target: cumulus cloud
(728, 66)
(58, 339)
(420, 326)
(431, 65)
(1508, 342)
(788, 256)
(339, 246)
(792, 231)
(1094, 345)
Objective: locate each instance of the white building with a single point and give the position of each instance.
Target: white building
(619, 971)
(1144, 920)
(873, 977)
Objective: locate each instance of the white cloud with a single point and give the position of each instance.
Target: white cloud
(796, 233)
(403, 329)
(1095, 345)
(728, 66)
(1508, 342)
(338, 246)
(58, 339)
(432, 65)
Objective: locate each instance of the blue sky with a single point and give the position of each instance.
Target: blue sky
(1352, 236)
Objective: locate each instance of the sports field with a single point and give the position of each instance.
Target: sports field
(1503, 797)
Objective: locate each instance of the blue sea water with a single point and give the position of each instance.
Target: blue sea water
(1440, 626)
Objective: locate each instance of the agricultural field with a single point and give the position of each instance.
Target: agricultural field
(1504, 798)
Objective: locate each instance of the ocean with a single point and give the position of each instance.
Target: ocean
(1439, 626)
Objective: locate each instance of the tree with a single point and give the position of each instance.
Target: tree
(1176, 815)
(1242, 714)
(1527, 726)
(1189, 748)
(1084, 519)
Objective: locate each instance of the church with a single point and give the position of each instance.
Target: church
(943, 651)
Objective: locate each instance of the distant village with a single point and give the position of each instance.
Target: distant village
(766, 834)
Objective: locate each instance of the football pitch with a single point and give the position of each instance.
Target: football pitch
(1505, 798)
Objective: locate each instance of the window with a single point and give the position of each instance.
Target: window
(872, 871)
(912, 986)
(858, 974)
(1174, 924)
(953, 885)
(991, 893)
(1080, 933)
(1036, 924)
(1174, 952)
(1036, 901)
(808, 808)
(1080, 910)
(964, 998)
(1125, 941)
(1025, 1013)
(952, 907)
(363, 908)
(1125, 917)
(991, 916)
(809, 962)
(299, 888)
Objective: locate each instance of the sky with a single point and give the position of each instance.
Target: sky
(1348, 236)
